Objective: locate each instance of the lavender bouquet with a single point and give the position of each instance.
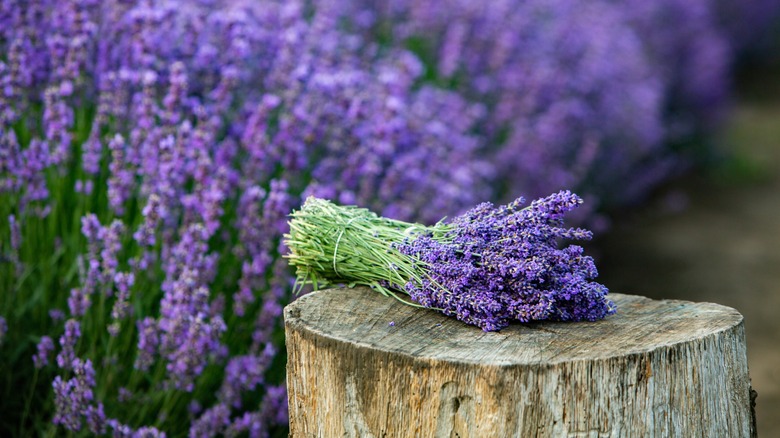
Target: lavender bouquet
(486, 267)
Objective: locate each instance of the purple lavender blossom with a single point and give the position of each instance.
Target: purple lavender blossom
(67, 356)
(31, 174)
(10, 160)
(3, 329)
(91, 151)
(16, 235)
(119, 430)
(122, 180)
(250, 422)
(212, 422)
(57, 121)
(45, 347)
(503, 264)
(68, 409)
(56, 315)
(89, 266)
(73, 399)
(153, 212)
(84, 186)
(95, 418)
(148, 432)
(16, 243)
(189, 334)
(148, 343)
(124, 395)
(123, 281)
(92, 229)
(112, 244)
(244, 373)
(274, 408)
(79, 302)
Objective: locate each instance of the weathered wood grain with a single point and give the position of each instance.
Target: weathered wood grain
(656, 368)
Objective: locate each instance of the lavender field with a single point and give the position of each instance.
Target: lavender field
(151, 152)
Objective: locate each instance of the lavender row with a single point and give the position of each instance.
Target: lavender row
(602, 97)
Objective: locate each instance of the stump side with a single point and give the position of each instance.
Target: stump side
(657, 368)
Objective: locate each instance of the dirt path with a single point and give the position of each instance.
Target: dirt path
(724, 247)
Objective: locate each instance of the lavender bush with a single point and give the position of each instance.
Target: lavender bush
(571, 99)
(691, 55)
(606, 97)
(150, 155)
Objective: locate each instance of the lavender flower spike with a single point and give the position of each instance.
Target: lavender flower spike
(45, 346)
(3, 329)
(486, 267)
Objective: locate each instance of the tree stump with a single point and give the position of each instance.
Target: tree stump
(363, 365)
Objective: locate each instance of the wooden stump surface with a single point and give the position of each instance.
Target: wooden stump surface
(360, 364)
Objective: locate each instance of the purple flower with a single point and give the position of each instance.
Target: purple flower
(124, 395)
(112, 244)
(10, 159)
(251, 423)
(16, 243)
(212, 422)
(91, 228)
(148, 432)
(267, 317)
(79, 302)
(95, 418)
(120, 430)
(148, 343)
(3, 329)
(244, 373)
(16, 235)
(122, 180)
(154, 211)
(45, 347)
(73, 399)
(67, 356)
(85, 187)
(189, 333)
(121, 309)
(57, 121)
(56, 315)
(123, 282)
(91, 154)
(274, 407)
(35, 159)
(503, 264)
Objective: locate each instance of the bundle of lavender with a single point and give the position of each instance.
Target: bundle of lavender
(486, 267)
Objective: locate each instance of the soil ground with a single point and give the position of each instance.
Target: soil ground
(716, 238)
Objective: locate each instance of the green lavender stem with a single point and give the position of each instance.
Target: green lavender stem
(331, 244)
